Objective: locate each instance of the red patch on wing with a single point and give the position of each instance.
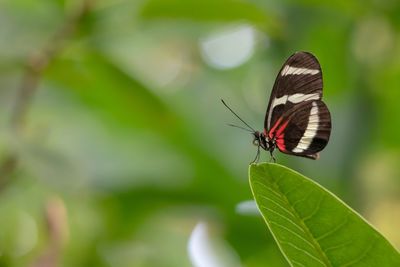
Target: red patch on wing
(271, 133)
(280, 142)
(281, 129)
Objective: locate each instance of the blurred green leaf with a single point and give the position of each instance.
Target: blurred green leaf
(209, 10)
(102, 85)
(312, 226)
(123, 103)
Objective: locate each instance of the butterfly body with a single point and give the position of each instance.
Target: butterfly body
(297, 121)
(260, 139)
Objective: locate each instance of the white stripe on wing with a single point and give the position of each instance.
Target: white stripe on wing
(295, 99)
(311, 130)
(289, 70)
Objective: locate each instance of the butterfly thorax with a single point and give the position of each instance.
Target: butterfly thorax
(262, 140)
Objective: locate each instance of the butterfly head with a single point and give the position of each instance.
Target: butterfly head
(259, 139)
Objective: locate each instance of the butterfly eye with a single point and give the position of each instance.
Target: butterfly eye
(255, 142)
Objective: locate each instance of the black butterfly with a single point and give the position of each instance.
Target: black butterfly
(297, 122)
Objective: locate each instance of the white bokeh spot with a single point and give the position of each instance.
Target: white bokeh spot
(228, 48)
(210, 251)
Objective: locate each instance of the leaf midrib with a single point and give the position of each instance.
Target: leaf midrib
(315, 243)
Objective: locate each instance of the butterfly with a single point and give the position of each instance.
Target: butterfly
(297, 121)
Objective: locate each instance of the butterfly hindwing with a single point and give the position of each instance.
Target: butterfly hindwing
(304, 130)
(299, 80)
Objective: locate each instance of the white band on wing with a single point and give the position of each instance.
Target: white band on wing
(311, 130)
(289, 70)
(295, 99)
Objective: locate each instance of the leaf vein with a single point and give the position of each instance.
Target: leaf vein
(287, 219)
(303, 251)
(333, 230)
(363, 255)
(315, 244)
(315, 211)
(266, 187)
(292, 232)
(297, 263)
(337, 246)
(292, 189)
(279, 205)
(301, 199)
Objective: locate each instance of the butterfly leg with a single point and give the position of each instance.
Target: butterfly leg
(272, 157)
(257, 156)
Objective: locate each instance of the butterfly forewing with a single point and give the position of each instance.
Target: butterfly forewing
(299, 80)
(296, 118)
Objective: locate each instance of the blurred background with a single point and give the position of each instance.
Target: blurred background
(114, 148)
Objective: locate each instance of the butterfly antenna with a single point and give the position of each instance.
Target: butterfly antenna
(240, 127)
(237, 116)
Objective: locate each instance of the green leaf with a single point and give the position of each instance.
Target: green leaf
(311, 225)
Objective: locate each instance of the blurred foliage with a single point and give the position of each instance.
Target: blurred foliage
(123, 148)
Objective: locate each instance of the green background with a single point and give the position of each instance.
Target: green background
(114, 149)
